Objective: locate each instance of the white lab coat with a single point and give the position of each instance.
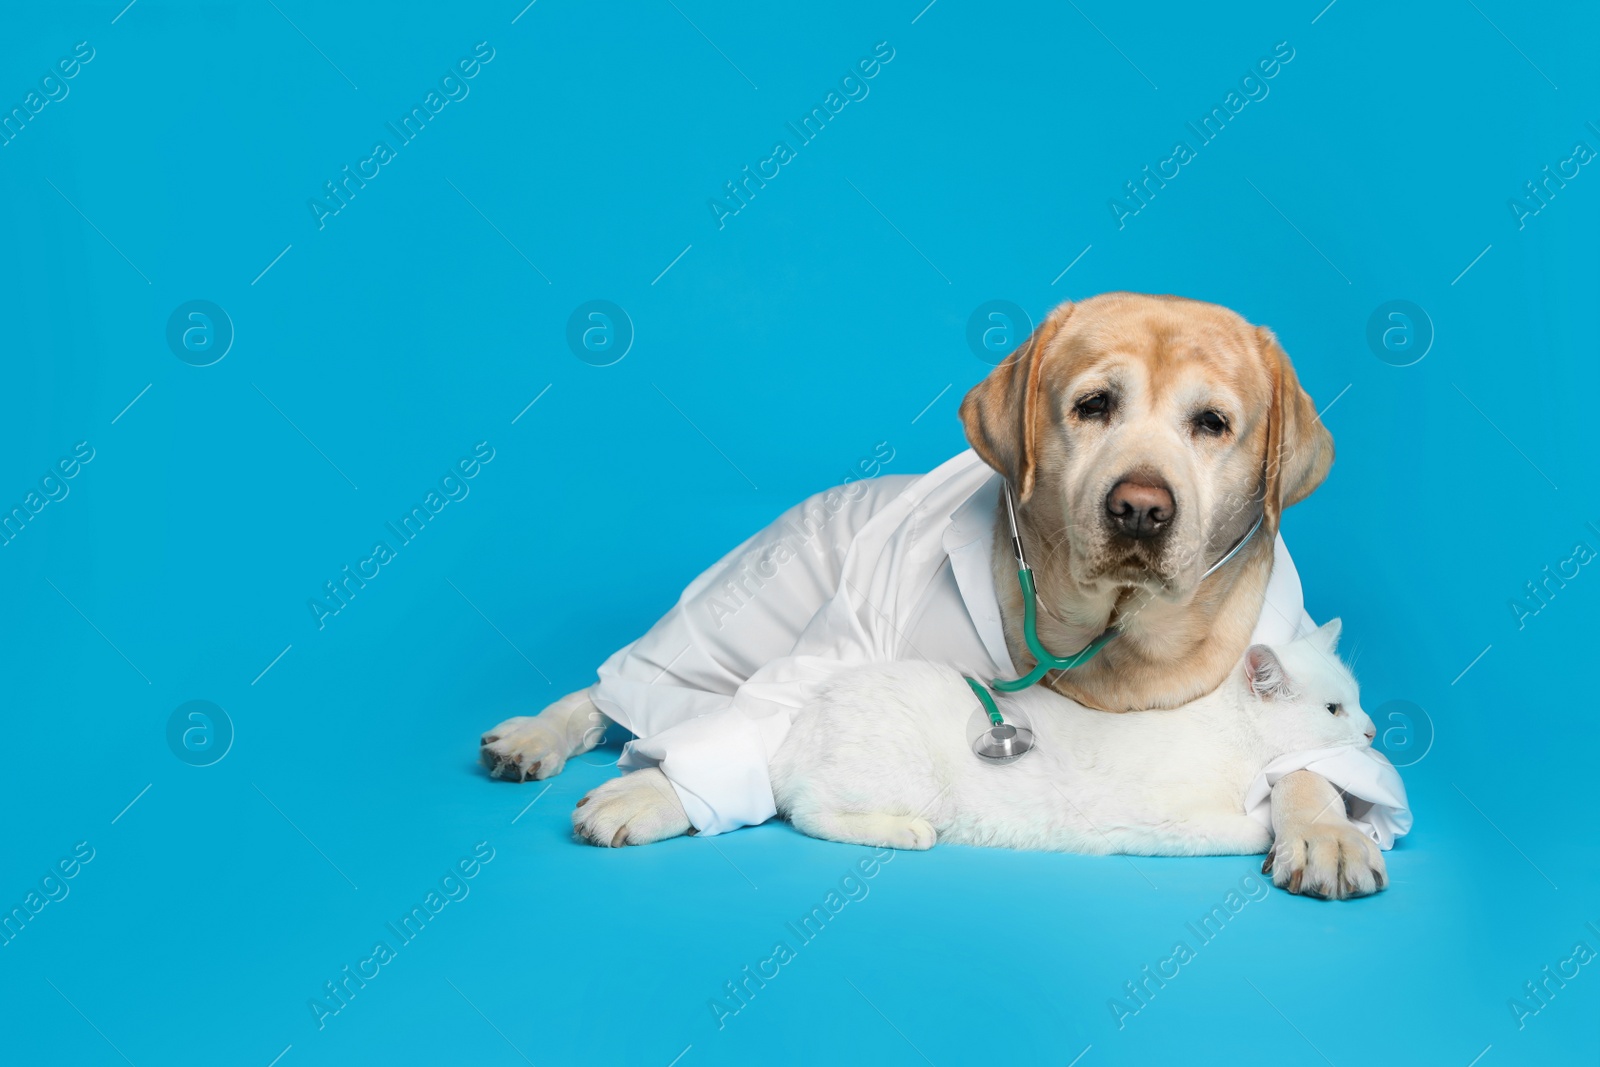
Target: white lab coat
(892, 568)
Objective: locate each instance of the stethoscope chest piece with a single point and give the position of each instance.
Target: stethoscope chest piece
(1003, 744)
(995, 739)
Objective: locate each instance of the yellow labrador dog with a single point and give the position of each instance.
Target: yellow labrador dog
(1115, 411)
(1144, 435)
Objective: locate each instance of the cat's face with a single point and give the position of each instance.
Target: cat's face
(1307, 697)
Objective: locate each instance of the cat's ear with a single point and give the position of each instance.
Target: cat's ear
(1326, 636)
(1268, 680)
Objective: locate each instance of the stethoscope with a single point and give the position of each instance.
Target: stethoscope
(1004, 742)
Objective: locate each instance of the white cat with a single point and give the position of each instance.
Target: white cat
(883, 757)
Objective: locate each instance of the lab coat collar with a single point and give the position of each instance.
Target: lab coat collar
(969, 542)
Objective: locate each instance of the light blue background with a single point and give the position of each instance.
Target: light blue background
(771, 358)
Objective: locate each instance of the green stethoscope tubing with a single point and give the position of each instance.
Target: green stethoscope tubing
(1044, 660)
(987, 700)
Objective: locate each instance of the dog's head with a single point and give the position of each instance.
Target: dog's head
(1146, 434)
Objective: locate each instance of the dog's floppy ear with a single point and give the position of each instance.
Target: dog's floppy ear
(1001, 413)
(1299, 447)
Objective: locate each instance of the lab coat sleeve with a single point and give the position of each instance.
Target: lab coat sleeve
(718, 762)
(709, 689)
(1375, 797)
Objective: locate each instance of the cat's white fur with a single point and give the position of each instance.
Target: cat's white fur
(883, 757)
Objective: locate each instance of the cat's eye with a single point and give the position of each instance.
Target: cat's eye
(1334, 709)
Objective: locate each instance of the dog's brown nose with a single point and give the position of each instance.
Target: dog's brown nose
(1140, 507)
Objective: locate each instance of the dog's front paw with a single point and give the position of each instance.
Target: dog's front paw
(635, 809)
(522, 748)
(1332, 860)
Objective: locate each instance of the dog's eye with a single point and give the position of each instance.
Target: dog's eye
(1092, 405)
(1212, 423)
(1334, 709)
